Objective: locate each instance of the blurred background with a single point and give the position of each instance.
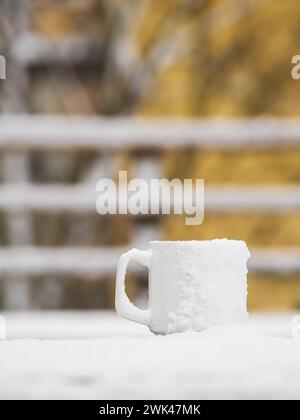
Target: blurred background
(83, 75)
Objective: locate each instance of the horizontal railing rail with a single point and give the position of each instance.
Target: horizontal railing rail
(97, 262)
(51, 198)
(71, 133)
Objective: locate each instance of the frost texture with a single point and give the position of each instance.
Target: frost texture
(211, 285)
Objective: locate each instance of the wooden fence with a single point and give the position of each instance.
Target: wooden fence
(18, 196)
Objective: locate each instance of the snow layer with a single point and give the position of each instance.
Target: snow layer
(126, 361)
(211, 283)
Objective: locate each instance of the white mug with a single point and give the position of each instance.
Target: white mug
(192, 284)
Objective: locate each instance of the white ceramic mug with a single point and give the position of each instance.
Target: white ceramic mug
(192, 284)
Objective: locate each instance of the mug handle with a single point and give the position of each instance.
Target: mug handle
(123, 305)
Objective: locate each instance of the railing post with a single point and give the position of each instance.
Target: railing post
(16, 165)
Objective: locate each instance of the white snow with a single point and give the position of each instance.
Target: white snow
(211, 284)
(82, 198)
(79, 132)
(99, 355)
(93, 262)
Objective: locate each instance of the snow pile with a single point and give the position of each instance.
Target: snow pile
(221, 362)
(211, 283)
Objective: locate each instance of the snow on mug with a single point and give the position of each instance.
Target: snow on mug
(192, 284)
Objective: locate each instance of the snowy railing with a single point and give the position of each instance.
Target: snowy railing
(95, 262)
(73, 133)
(18, 196)
(78, 199)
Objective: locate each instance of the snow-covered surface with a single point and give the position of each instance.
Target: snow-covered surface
(99, 355)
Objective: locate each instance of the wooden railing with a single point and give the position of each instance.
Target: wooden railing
(20, 135)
